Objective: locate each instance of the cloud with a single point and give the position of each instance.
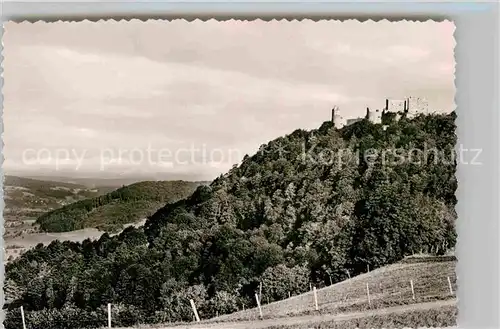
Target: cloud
(408, 53)
(94, 86)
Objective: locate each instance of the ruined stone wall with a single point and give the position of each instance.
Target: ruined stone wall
(351, 121)
(396, 105)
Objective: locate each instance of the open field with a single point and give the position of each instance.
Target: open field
(17, 245)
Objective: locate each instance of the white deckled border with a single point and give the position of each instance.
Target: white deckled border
(478, 124)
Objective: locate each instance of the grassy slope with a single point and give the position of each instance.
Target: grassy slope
(444, 316)
(112, 210)
(424, 316)
(389, 286)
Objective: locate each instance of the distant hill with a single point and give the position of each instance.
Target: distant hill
(112, 182)
(110, 211)
(93, 182)
(27, 198)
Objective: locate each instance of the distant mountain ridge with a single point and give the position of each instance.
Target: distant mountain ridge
(109, 212)
(91, 181)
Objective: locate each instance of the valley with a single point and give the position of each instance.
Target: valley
(31, 203)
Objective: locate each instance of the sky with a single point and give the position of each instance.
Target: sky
(187, 100)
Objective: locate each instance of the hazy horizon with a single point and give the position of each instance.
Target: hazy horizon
(80, 92)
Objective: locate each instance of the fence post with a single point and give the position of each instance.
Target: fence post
(449, 285)
(412, 290)
(109, 315)
(348, 274)
(330, 279)
(194, 310)
(368, 294)
(22, 317)
(368, 268)
(258, 305)
(289, 294)
(315, 299)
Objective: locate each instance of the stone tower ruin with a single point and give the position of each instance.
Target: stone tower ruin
(337, 120)
(416, 106)
(374, 116)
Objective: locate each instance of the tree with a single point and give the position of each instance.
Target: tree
(278, 281)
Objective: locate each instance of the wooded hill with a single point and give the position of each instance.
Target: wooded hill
(109, 212)
(287, 216)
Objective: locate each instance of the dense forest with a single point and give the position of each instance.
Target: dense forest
(304, 209)
(110, 211)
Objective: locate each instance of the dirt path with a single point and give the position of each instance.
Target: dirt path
(312, 318)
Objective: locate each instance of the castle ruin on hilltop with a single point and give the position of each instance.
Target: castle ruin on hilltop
(409, 107)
